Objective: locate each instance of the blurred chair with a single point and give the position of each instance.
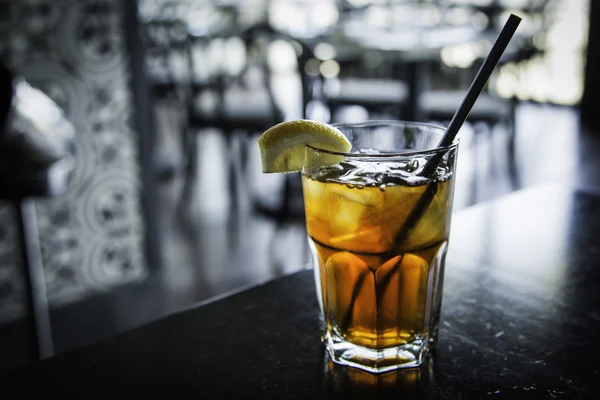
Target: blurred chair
(437, 103)
(166, 41)
(375, 95)
(440, 105)
(34, 163)
(89, 61)
(378, 89)
(236, 96)
(491, 108)
(167, 66)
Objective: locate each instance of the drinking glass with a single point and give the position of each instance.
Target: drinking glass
(378, 223)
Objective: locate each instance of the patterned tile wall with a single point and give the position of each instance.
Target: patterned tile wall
(92, 237)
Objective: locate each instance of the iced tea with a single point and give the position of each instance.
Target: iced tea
(379, 275)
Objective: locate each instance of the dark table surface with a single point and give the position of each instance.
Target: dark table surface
(521, 320)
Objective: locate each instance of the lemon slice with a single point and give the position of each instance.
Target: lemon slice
(282, 147)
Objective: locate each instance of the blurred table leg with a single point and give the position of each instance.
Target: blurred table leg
(35, 282)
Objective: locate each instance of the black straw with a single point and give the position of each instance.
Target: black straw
(475, 89)
(457, 120)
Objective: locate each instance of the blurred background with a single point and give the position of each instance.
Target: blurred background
(164, 205)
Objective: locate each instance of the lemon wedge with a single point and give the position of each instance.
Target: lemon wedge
(282, 147)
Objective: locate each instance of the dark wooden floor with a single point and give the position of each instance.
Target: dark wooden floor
(213, 243)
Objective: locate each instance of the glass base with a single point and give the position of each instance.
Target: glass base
(377, 361)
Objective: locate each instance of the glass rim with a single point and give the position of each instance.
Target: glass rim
(383, 156)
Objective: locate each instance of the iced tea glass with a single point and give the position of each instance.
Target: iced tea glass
(378, 229)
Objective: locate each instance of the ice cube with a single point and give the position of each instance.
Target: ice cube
(353, 211)
(401, 294)
(370, 240)
(351, 296)
(314, 198)
(434, 224)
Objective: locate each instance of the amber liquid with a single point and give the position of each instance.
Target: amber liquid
(379, 289)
